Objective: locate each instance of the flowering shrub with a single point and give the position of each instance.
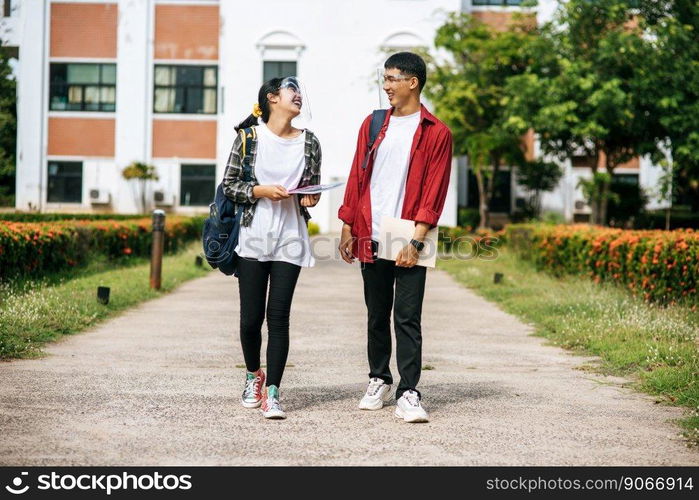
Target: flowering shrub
(452, 239)
(35, 248)
(54, 216)
(660, 266)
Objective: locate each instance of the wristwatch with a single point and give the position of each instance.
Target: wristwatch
(419, 245)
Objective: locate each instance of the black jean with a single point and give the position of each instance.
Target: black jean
(380, 278)
(253, 277)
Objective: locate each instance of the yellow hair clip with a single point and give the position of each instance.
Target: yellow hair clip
(256, 110)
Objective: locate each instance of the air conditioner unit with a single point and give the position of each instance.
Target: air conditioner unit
(100, 197)
(581, 207)
(162, 199)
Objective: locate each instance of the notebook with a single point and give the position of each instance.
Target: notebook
(395, 233)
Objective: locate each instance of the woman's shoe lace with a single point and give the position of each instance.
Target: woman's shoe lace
(252, 387)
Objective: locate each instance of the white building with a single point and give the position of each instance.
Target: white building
(104, 83)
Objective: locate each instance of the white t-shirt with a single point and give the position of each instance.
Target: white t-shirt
(391, 170)
(278, 230)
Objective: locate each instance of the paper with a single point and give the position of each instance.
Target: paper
(318, 188)
(394, 234)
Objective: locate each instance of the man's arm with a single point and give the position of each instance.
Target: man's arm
(348, 209)
(434, 190)
(434, 193)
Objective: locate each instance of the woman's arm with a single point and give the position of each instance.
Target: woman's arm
(234, 187)
(311, 200)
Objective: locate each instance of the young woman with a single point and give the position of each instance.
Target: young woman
(274, 243)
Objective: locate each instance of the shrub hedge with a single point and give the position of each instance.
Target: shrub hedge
(467, 242)
(48, 217)
(661, 266)
(36, 248)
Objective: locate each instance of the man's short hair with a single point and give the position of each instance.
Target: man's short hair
(410, 64)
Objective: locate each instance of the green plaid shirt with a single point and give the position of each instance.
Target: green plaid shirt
(240, 191)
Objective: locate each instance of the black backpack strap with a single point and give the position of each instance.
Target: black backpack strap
(378, 116)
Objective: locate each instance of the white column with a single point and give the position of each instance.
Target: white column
(134, 90)
(32, 105)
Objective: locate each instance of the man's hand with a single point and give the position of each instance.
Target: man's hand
(274, 193)
(310, 200)
(407, 257)
(345, 246)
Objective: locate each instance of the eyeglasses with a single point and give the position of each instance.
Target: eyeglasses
(393, 79)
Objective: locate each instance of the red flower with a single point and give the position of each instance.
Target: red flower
(127, 251)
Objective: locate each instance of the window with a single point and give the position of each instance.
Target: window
(185, 89)
(628, 179)
(497, 2)
(65, 182)
(197, 184)
(278, 69)
(83, 87)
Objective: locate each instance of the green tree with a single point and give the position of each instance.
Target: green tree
(141, 173)
(8, 129)
(467, 89)
(672, 91)
(538, 176)
(585, 96)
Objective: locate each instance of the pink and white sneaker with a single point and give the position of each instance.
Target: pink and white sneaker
(252, 394)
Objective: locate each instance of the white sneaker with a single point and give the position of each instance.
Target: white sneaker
(376, 395)
(408, 408)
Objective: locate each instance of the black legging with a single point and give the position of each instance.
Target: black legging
(253, 276)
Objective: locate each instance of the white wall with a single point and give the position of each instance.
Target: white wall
(649, 179)
(10, 26)
(339, 50)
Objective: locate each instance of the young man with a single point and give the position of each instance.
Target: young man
(406, 176)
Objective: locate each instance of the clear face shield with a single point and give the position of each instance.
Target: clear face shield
(294, 93)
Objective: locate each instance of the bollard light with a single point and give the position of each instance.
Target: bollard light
(103, 294)
(497, 278)
(156, 254)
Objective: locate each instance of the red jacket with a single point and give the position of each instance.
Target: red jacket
(425, 187)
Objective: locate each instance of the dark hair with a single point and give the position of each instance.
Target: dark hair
(409, 63)
(270, 87)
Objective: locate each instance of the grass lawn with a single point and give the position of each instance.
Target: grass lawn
(33, 312)
(657, 348)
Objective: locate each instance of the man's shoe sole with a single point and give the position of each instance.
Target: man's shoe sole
(413, 420)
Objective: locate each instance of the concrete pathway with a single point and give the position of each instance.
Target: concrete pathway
(159, 386)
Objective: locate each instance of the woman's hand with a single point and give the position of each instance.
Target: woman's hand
(274, 193)
(310, 200)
